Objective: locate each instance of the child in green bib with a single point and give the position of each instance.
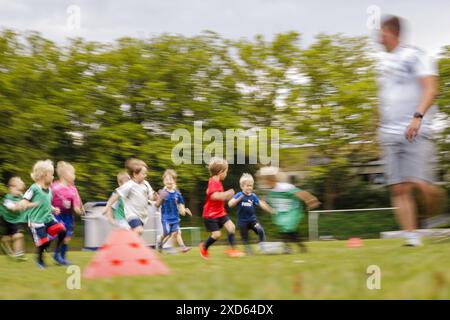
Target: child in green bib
(289, 204)
(13, 218)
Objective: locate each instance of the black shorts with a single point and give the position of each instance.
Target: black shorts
(8, 228)
(215, 224)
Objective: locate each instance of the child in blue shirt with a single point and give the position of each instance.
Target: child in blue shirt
(246, 202)
(172, 205)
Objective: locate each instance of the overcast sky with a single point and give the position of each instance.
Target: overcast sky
(107, 20)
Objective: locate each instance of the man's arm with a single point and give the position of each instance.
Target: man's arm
(429, 86)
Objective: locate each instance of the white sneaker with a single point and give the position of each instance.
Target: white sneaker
(413, 240)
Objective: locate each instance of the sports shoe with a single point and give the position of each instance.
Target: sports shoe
(59, 260)
(412, 239)
(41, 264)
(413, 242)
(20, 257)
(203, 251)
(185, 249)
(234, 253)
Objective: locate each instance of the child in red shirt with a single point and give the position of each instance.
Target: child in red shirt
(214, 215)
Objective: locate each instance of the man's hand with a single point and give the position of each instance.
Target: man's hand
(56, 211)
(413, 129)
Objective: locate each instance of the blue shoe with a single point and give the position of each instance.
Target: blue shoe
(59, 260)
(41, 264)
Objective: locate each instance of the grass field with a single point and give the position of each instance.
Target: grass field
(329, 270)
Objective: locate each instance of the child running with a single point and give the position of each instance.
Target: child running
(67, 200)
(118, 211)
(136, 194)
(214, 215)
(172, 205)
(287, 202)
(13, 218)
(247, 201)
(42, 223)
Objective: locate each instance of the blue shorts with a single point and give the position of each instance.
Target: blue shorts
(135, 222)
(170, 227)
(68, 220)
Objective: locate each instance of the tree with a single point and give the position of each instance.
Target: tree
(336, 112)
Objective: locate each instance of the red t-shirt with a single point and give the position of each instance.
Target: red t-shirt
(214, 208)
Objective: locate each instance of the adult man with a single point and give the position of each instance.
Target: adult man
(407, 84)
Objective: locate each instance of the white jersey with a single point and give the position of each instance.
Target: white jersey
(399, 88)
(136, 199)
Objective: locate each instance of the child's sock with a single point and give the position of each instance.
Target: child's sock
(261, 234)
(64, 248)
(209, 242)
(60, 240)
(40, 252)
(231, 239)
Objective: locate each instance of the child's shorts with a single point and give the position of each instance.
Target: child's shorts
(252, 225)
(215, 224)
(9, 229)
(169, 228)
(69, 222)
(135, 222)
(42, 232)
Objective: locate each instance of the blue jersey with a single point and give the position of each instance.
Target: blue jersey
(169, 207)
(246, 208)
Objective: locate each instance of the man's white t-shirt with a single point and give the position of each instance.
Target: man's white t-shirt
(136, 199)
(399, 89)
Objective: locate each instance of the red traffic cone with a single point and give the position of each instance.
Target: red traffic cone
(124, 254)
(354, 243)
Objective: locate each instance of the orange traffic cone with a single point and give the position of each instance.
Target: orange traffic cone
(124, 254)
(354, 243)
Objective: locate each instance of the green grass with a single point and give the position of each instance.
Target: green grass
(329, 270)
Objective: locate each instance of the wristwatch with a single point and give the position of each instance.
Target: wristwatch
(418, 115)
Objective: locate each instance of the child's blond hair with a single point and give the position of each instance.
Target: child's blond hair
(134, 166)
(217, 165)
(41, 168)
(170, 172)
(121, 176)
(16, 182)
(270, 173)
(62, 166)
(246, 177)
